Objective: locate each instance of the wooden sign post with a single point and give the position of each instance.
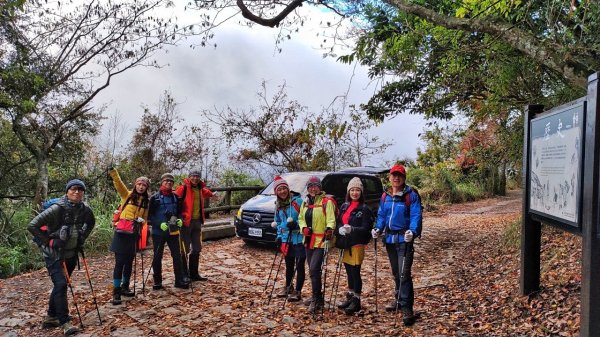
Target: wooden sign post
(561, 163)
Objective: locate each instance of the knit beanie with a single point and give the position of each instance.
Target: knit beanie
(278, 182)
(74, 182)
(194, 172)
(167, 176)
(313, 181)
(143, 180)
(355, 183)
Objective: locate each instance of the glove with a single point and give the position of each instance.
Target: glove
(80, 239)
(273, 224)
(179, 223)
(408, 236)
(278, 242)
(109, 170)
(307, 231)
(348, 229)
(139, 220)
(375, 233)
(164, 226)
(329, 234)
(56, 243)
(291, 224)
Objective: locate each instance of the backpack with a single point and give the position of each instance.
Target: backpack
(44, 228)
(406, 197)
(326, 199)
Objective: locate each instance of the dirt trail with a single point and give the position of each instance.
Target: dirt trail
(232, 302)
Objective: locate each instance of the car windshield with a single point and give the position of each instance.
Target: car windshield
(296, 181)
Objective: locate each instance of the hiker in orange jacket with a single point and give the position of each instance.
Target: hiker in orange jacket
(192, 193)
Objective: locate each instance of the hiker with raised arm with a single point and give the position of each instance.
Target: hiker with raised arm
(128, 224)
(317, 223)
(289, 239)
(399, 221)
(61, 231)
(165, 219)
(192, 193)
(355, 222)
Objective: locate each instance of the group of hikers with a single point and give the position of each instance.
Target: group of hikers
(306, 227)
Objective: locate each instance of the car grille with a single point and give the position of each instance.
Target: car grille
(249, 219)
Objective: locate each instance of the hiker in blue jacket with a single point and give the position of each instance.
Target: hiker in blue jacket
(399, 218)
(165, 218)
(290, 239)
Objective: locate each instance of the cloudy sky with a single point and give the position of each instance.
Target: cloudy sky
(231, 74)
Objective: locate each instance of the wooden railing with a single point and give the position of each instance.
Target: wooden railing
(227, 198)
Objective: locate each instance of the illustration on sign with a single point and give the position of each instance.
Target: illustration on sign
(555, 163)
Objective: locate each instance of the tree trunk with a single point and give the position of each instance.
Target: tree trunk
(41, 184)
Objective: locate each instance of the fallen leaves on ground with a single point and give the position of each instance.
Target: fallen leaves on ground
(466, 284)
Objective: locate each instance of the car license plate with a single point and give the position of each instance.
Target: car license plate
(255, 232)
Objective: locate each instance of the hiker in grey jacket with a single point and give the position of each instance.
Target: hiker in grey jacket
(60, 232)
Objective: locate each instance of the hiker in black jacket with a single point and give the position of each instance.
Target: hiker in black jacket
(354, 232)
(61, 231)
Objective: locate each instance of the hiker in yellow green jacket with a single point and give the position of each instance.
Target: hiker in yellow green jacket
(317, 223)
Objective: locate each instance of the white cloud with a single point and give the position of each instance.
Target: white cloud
(230, 75)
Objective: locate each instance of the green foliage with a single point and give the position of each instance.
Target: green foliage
(511, 236)
(236, 178)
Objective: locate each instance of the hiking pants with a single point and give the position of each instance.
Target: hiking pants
(159, 247)
(315, 260)
(396, 255)
(58, 305)
(354, 279)
(294, 262)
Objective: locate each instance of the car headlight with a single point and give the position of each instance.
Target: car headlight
(239, 214)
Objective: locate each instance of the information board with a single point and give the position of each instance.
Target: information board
(555, 159)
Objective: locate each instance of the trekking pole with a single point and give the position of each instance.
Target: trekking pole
(87, 274)
(289, 242)
(134, 265)
(184, 259)
(336, 281)
(401, 271)
(275, 279)
(324, 269)
(271, 271)
(143, 284)
(64, 264)
(376, 301)
(153, 260)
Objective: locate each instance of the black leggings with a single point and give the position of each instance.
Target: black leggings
(294, 264)
(354, 280)
(123, 266)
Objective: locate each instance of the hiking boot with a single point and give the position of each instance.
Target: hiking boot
(182, 285)
(116, 299)
(346, 303)
(125, 291)
(283, 293)
(408, 317)
(392, 306)
(50, 322)
(316, 305)
(354, 306)
(69, 329)
(198, 277)
(294, 296)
